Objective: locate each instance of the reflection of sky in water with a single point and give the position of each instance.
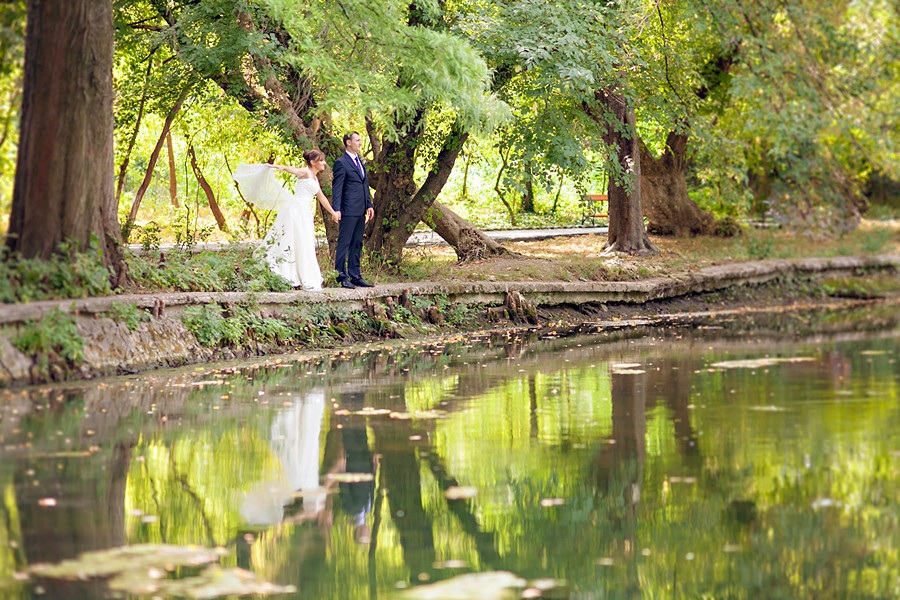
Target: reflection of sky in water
(610, 462)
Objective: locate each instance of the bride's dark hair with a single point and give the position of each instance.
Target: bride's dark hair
(311, 155)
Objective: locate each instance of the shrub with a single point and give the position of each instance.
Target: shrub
(129, 314)
(55, 336)
(69, 273)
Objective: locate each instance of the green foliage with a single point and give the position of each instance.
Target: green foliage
(12, 49)
(760, 247)
(236, 325)
(55, 336)
(877, 240)
(129, 314)
(69, 273)
(211, 327)
(234, 268)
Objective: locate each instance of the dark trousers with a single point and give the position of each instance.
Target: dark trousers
(349, 247)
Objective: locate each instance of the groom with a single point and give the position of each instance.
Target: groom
(352, 201)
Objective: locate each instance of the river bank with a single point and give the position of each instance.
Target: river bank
(95, 337)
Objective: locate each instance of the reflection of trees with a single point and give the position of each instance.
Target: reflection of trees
(618, 468)
(671, 383)
(89, 511)
(485, 543)
(402, 483)
(531, 429)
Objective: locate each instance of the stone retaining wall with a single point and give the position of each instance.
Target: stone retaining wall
(112, 348)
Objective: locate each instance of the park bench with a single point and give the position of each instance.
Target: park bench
(594, 210)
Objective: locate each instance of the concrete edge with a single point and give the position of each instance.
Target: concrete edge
(481, 292)
(111, 348)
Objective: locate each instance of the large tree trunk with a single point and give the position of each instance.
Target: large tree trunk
(664, 196)
(626, 221)
(400, 205)
(64, 173)
(469, 242)
(395, 192)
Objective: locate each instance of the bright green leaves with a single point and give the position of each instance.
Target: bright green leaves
(371, 58)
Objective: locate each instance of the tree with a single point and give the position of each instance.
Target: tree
(664, 195)
(626, 220)
(572, 60)
(63, 185)
(12, 49)
(788, 101)
(299, 67)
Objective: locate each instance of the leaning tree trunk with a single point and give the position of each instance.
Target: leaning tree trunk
(469, 242)
(400, 205)
(64, 174)
(626, 222)
(664, 196)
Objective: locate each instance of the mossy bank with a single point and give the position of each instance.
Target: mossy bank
(94, 337)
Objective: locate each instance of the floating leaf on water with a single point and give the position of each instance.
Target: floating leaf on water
(369, 411)
(421, 414)
(451, 564)
(213, 582)
(625, 365)
(47, 502)
(350, 477)
(140, 557)
(768, 408)
(628, 371)
(429, 414)
(677, 479)
(824, 503)
(460, 492)
(548, 502)
(757, 363)
(556, 588)
(606, 561)
(492, 585)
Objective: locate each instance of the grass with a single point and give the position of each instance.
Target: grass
(581, 257)
(570, 258)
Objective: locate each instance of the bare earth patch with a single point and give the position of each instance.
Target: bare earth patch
(582, 258)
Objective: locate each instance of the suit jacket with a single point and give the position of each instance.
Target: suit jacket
(350, 192)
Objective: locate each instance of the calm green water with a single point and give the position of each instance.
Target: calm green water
(639, 465)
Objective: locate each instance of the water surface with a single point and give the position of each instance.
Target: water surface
(660, 463)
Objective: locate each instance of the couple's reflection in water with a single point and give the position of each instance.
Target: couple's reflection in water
(306, 490)
(328, 477)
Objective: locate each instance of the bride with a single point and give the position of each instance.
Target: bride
(291, 242)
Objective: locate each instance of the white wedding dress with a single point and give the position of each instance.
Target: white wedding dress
(295, 437)
(290, 245)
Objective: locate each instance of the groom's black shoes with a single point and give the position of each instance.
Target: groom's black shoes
(360, 283)
(346, 284)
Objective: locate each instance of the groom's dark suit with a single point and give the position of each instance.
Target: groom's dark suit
(351, 196)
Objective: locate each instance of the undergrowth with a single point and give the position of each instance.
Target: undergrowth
(234, 268)
(67, 274)
(318, 325)
(52, 340)
(128, 313)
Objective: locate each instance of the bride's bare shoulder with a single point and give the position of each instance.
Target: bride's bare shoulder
(304, 173)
